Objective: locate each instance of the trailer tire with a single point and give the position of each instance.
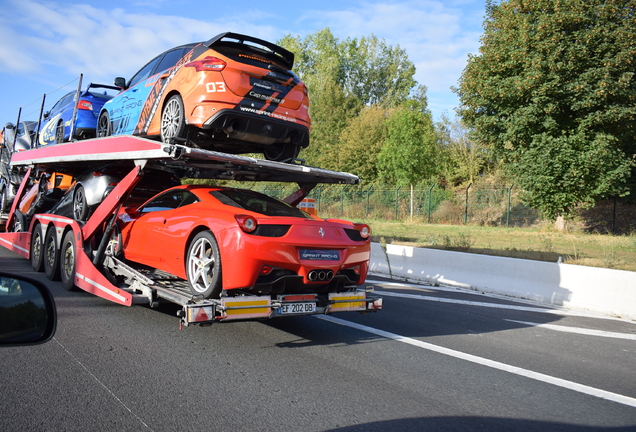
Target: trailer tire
(203, 266)
(51, 255)
(37, 248)
(68, 261)
(173, 119)
(80, 205)
(4, 199)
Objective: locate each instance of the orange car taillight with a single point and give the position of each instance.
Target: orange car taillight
(207, 64)
(85, 105)
(364, 229)
(246, 223)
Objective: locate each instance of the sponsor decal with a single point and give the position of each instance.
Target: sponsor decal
(321, 255)
(268, 113)
(265, 97)
(154, 97)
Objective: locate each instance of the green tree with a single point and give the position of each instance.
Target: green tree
(342, 78)
(464, 158)
(331, 111)
(553, 93)
(361, 142)
(376, 73)
(410, 152)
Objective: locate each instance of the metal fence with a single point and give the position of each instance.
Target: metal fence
(497, 205)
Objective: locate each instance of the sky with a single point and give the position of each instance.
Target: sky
(46, 45)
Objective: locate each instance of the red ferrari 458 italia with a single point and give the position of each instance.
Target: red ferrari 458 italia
(234, 239)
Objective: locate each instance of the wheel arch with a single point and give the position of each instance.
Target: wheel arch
(167, 97)
(193, 234)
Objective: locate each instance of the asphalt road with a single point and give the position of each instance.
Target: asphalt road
(433, 359)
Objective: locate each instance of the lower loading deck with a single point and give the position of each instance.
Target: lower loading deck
(148, 286)
(105, 276)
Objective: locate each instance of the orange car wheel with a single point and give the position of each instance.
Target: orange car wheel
(173, 119)
(285, 152)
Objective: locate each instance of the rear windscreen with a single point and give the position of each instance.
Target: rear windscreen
(257, 202)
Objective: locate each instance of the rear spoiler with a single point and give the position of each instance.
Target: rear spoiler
(94, 85)
(285, 56)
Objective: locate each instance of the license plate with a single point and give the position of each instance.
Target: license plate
(297, 308)
(321, 255)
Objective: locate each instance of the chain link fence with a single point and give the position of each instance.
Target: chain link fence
(497, 205)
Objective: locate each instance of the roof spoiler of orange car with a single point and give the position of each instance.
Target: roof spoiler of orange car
(284, 55)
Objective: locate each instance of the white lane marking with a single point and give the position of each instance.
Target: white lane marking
(578, 330)
(614, 397)
(113, 395)
(477, 303)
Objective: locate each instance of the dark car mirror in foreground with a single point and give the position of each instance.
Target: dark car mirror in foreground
(28, 315)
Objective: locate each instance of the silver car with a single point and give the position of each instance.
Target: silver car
(93, 186)
(14, 139)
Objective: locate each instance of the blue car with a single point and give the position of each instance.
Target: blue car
(58, 121)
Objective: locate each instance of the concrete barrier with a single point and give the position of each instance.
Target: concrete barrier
(607, 291)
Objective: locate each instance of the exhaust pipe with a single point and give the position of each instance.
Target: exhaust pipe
(320, 275)
(233, 128)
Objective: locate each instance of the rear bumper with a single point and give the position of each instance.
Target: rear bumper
(260, 127)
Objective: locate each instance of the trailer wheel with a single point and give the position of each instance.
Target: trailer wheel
(68, 261)
(4, 199)
(59, 133)
(80, 206)
(173, 119)
(203, 266)
(37, 243)
(103, 125)
(51, 256)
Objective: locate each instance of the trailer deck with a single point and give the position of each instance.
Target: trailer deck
(98, 271)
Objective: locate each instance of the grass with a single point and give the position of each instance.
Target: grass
(537, 243)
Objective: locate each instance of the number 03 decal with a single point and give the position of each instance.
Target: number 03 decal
(215, 87)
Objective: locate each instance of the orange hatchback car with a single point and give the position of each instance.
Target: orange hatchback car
(234, 94)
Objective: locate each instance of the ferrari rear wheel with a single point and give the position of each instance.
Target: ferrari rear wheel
(203, 266)
(173, 119)
(103, 125)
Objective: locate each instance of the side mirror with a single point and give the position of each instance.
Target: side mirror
(46, 115)
(131, 209)
(28, 315)
(120, 82)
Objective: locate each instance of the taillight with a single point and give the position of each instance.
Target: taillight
(207, 64)
(364, 229)
(85, 105)
(246, 223)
